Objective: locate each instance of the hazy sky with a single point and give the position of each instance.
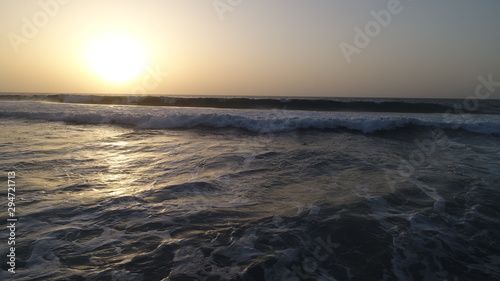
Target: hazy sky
(427, 48)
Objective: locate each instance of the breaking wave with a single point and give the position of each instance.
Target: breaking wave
(263, 121)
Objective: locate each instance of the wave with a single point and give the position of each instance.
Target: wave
(262, 121)
(309, 104)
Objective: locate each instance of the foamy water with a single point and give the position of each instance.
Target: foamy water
(160, 193)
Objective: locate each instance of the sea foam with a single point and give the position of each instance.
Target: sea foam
(155, 117)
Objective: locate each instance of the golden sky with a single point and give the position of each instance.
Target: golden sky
(360, 48)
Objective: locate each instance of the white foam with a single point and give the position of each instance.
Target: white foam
(156, 117)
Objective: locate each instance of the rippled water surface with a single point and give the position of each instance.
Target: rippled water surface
(106, 202)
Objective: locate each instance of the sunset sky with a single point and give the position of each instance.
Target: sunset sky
(425, 48)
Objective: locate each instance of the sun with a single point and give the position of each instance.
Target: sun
(117, 59)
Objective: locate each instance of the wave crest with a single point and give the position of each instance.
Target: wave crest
(262, 121)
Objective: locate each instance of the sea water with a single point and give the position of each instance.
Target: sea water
(365, 191)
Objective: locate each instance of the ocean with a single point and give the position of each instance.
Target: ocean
(246, 188)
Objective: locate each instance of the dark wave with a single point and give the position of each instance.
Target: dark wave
(296, 103)
(262, 121)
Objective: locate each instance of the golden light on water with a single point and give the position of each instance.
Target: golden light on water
(120, 143)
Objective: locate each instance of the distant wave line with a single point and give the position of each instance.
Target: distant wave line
(284, 103)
